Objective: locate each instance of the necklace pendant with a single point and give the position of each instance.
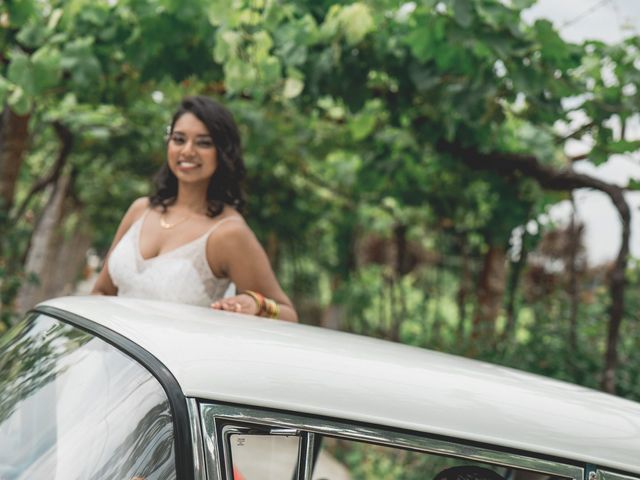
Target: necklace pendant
(164, 224)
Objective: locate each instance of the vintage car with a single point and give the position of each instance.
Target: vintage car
(127, 389)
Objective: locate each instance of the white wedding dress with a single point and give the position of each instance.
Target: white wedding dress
(181, 275)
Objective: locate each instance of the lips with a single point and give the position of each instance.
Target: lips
(187, 164)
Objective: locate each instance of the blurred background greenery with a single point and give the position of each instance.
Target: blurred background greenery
(396, 153)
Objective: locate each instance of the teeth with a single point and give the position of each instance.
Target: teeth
(187, 164)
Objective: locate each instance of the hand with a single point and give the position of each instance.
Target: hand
(242, 303)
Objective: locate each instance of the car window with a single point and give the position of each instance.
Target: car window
(330, 449)
(73, 406)
(355, 460)
(263, 457)
(270, 457)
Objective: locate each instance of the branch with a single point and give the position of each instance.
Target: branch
(560, 140)
(66, 139)
(345, 198)
(577, 158)
(527, 165)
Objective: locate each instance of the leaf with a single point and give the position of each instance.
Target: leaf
(239, 75)
(426, 37)
(362, 125)
(5, 88)
(356, 22)
(598, 156)
(292, 87)
(262, 43)
(47, 69)
(623, 146)
(19, 101)
(227, 45)
(552, 45)
(54, 18)
(78, 58)
(20, 72)
(33, 34)
(269, 71)
(491, 14)
(463, 12)
(633, 184)
(20, 11)
(221, 12)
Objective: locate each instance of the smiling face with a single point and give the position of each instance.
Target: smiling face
(191, 153)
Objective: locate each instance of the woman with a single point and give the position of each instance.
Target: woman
(188, 241)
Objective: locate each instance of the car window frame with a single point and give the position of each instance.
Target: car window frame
(214, 416)
(606, 474)
(182, 435)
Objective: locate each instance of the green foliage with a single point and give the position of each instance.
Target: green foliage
(343, 108)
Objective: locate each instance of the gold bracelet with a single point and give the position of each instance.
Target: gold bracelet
(271, 307)
(266, 306)
(258, 298)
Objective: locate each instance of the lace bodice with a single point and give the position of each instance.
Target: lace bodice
(180, 275)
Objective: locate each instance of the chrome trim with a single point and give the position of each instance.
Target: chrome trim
(199, 471)
(226, 432)
(212, 454)
(214, 413)
(305, 455)
(606, 475)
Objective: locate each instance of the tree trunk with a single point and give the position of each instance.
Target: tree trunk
(67, 262)
(42, 250)
(574, 244)
(14, 136)
(463, 290)
(400, 269)
(515, 273)
(334, 315)
(491, 287)
(616, 289)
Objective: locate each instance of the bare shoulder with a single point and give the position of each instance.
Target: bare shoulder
(139, 205)
(233, 228)
(134, 212)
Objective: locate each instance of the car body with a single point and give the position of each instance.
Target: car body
(110, 387)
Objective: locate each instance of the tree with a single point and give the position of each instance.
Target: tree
(429, 120)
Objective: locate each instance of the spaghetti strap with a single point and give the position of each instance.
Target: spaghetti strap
(144, 215)
(211, 230)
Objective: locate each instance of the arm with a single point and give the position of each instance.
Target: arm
(104, 285)
(240, 256)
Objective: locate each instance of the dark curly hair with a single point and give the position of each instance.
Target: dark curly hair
(225, 186)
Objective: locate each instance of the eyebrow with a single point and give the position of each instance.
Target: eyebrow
(200, 135)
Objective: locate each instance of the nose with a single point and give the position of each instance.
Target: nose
(188, 148)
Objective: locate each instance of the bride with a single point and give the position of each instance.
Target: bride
(188, 241)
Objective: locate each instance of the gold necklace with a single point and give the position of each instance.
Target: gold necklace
(166, 225)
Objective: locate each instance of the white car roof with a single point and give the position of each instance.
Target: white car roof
(275, 364)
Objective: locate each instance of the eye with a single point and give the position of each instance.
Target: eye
(177, 139)
(204, 143)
